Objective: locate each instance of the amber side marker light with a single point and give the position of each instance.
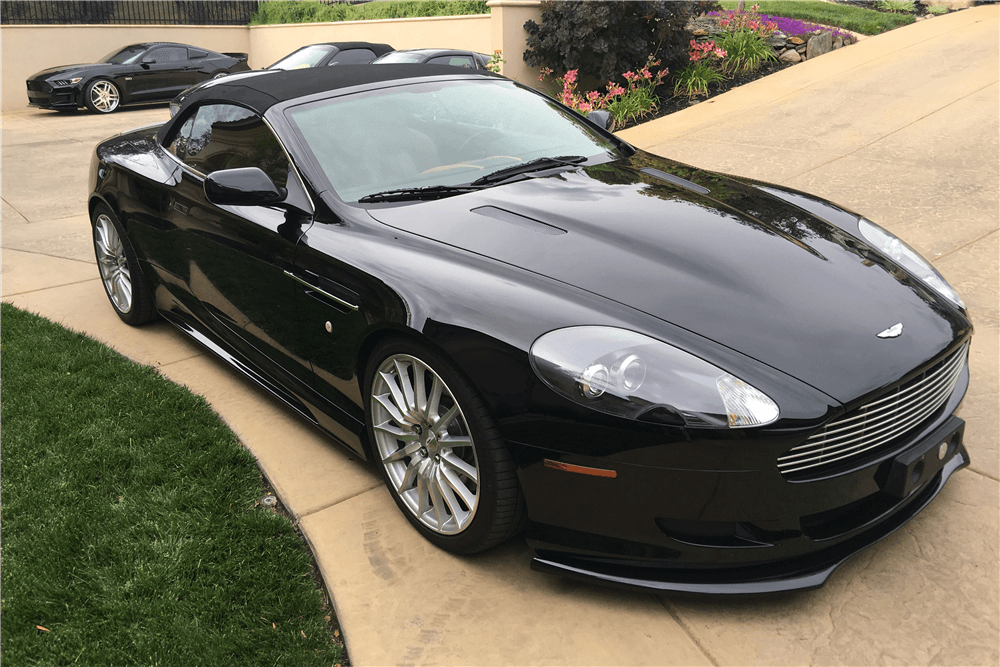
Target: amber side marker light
(583, 470)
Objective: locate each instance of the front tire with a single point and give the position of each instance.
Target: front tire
(439, 451)
(102, 96)
(120, 274)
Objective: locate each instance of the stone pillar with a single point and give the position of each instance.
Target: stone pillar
(507, 19)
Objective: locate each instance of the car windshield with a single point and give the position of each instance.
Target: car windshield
(303, 58)
(396, 57)
(124, 56)
(438, 134)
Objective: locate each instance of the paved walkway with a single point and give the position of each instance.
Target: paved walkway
(902, 127)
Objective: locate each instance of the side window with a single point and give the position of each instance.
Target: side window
(454, 61)
(353, 57)
(195, 54)
(225, 136)
(167, 54)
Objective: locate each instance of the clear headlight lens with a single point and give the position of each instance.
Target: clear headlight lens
(908, 258)
(76, 79)
(631, 375)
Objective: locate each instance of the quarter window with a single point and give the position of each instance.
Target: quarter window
(225, 136)
(167, 55)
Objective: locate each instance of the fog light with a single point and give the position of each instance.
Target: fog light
(942, 450)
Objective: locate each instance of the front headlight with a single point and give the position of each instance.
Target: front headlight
(908, 258)
(631, 375)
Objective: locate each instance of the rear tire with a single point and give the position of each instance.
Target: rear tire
(120, 273)
(439, 451)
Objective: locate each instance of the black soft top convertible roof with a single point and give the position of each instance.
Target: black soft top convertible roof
(262, 91)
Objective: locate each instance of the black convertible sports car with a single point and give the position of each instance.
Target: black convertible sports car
(136, 74)
(332, 53)
(672, 378)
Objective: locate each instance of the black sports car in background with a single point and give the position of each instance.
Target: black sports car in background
(136, 74)
(453, 57)
(674, 379)
(332, 53)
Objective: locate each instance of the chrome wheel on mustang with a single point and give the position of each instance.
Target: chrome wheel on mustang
(103, 96)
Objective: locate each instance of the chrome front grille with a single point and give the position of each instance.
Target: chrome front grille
(877, 423)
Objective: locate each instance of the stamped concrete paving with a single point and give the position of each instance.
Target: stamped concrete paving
(902, 128)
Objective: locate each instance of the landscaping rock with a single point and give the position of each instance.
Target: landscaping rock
(797, 40)
(838, 42)
(820, 44)
(790, 56)
(777, 40)
(699, 32)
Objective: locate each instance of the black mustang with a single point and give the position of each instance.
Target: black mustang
(136, 74)
(674, 379)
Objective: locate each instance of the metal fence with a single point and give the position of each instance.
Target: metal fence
(126, 12)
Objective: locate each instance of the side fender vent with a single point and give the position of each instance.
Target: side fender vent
(676, 180)
(519, 220)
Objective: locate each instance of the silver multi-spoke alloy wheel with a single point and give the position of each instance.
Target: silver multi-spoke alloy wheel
(113, 263)
(425, 444)
(104, 96)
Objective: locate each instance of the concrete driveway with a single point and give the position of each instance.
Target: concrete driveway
(902, 128)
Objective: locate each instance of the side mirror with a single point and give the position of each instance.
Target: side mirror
(148, 61)
(247, 186)
(601, 117)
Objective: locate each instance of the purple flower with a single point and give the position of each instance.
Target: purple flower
(792, 27)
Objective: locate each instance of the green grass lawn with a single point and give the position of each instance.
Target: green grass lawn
(132, 533)
(857, 19)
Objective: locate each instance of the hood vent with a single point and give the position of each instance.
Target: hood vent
(676, 180)
(519, 220)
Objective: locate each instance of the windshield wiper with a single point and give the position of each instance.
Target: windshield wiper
(537, 164)
(410, 194)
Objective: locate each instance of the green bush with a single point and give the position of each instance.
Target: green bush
(693, 80)
(745, 51)
(308, 11)
(902, 6)
(604, 39)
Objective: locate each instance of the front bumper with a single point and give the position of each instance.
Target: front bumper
(730, 531)
(43, 95)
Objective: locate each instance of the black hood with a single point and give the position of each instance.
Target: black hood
(736, 265)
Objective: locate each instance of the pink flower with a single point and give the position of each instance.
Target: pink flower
(630, 76)
(616, 91)
(585, 106)
(592, 96)
(755, 7)
(719, 53)
(646, 74)
(570, 76)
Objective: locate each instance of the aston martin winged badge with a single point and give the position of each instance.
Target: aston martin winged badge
(892, 332)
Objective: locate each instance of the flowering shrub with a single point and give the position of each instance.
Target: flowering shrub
(706, 59)
(496, 60)
(744, 38)
(623, 103)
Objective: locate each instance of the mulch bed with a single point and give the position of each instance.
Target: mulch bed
(670, 105)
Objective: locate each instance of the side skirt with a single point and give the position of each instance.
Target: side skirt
(317, 410)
